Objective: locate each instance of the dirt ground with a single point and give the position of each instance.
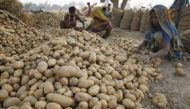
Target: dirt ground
(175, 88)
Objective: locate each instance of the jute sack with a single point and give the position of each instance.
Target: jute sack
(117, 15)
(145, 21)
(184, 21)
(127, 19)
(135, 25)
(186, 40)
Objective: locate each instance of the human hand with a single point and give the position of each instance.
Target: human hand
(136, 50)
(146, 58)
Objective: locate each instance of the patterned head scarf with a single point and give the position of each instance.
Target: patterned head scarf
(167, 25)
(96, 12)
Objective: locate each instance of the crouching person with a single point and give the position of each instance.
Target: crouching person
(70, 20)
(100, 23)
(162, 37)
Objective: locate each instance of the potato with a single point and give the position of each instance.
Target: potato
(178, 64)
(83, 105)
(93, 101)
(14, 101)
(45, 49)
(24, 80)
(130, 78)
(85, 83)
(92, 57)
(18, 73)
(32, 81)
(39, 93)
(110, 90)
(7, 87)
(48, 87)
(14, 80)
(60, 62)
(51, 62)
(75, 89)
(128, 103)
(61, 42)
(3, 95)
(21, 90)
(64, 81)
(131, 97)
(71, 41)
(68, 93)
(104, 97)
(13, 107)
(60, 99)
(116, 75)
(119, 95)
(53, 106)
(112, 104)
(143, 80)
(94, 90)
(24, 95)
(18, 65)
(143, 87)
(38, 75)
(4, 75)
(96, 80)
(84, 55)
(61, 91)
(30, 99)
(160, 100)
(120, 107)
(103, 89)
(49, 73)
(69, 71)
(80, 96)
(40, 105)
(180, 72)
(100, 58)
(42, 66)
(73, 81)
(26, 106)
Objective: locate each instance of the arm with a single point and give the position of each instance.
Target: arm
(78, 18)
(163, 52)
(91, 24)
(89, 27)
(102, 23)
(142, 45)
(66, 17)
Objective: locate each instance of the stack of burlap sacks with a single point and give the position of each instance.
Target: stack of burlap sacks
(184, 23)
(130, 20)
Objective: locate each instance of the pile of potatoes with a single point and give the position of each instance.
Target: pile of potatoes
(16, 37)
(78, 71)
(47, 19)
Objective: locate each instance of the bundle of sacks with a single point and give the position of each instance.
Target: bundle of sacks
(184, 23)
(77, 71)
(145, 21)
(130, 20)
(17, 37)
